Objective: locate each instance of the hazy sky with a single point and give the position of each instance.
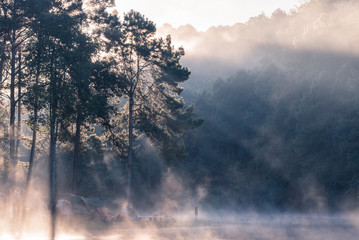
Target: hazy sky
(203, 14)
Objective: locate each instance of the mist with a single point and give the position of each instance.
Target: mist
(289, 39)
(276, 94)
(263, 145)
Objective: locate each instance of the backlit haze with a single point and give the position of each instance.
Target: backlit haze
(276, 83)
(202, 14)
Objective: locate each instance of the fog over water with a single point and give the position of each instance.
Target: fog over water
(267, 90)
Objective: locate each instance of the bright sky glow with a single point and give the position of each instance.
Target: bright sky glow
(203, 14)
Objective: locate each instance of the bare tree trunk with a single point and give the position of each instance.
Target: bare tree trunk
(52, 165)
(130, 149)
(18, 139)
(2, 61)
(52, 154)
(33, 143)
(35, 126)
(29, 173)
(32, 152)
(131, 95)
(76, 152)
(6, 158)
(12, 164)
(52, 179)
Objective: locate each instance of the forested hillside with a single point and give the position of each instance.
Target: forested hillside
(278, 95)
(280, 139)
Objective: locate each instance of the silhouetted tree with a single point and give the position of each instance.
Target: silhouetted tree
(149, 73)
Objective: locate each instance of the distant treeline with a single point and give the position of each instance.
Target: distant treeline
(284, 138)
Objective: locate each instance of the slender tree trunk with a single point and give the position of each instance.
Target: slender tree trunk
(76, 152)
(52, 154)
(52, 162)
(52, 179)
(2, 61)
(12, 164)
(18, 139)
(33, 146)
(130, 149)
(35, 126)
(6, 159)
(32, 152)
(29, 173)
(130, 131)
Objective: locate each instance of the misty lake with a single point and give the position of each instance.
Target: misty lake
(250, 227)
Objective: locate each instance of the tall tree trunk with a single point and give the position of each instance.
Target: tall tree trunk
(76, 151)
(52, 171)
(33, 146)
(32, 152)
(18, 139)
(12, 164)
(2, 61)
(130, 149)
(52, 179)
(130, 130)
(35, 126)
(29, 173)
(6, 158)
(52, 154)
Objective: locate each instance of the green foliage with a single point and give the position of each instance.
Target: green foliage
(149, 76)
(82, 69)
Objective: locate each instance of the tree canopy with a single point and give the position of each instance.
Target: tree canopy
(90, 83)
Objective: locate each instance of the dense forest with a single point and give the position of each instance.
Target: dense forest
(82, 91)
(278, 96)
(275, 139)
(98, 105)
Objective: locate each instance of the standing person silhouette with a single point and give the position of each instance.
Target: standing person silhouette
(196, 212)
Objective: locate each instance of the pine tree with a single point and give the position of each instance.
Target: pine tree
(148, 92)
(57, 32)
